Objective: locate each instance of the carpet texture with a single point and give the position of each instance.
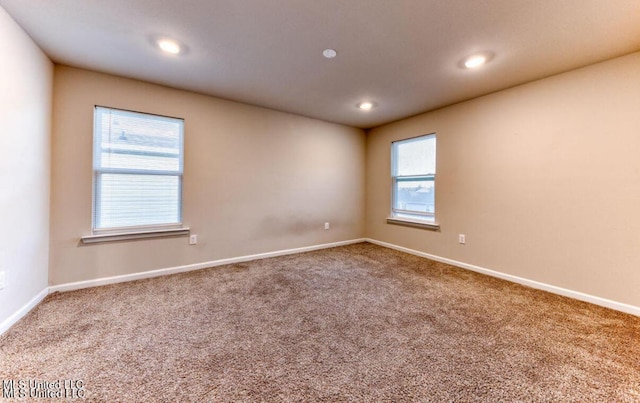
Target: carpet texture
(354, 323)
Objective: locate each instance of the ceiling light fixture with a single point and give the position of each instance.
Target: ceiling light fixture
(476, 60)
(366, 105)
(169, 46)
(329, 53)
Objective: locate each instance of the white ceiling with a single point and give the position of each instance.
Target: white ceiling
(401, 54)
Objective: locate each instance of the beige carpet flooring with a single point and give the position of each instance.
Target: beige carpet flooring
(355, 323)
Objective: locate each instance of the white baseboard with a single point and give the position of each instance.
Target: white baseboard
(607, 303)
(17, 315)
(190, 267)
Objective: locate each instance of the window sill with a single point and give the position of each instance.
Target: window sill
(125, 236)
(433, 226)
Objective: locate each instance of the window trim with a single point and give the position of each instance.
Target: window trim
(411, 218)
(108, 234)
(414, 223)
(134, 234)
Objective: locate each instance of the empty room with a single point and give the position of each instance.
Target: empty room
(296, 200)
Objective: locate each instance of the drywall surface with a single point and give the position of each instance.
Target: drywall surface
(26, 80)
(255, 180)
(543, 179)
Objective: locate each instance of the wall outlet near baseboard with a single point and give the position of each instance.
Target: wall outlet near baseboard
(193, 239)
(462, 239)
(327, 225)
(2, 279)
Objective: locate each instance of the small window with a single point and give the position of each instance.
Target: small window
(137, 170)
(413, 172)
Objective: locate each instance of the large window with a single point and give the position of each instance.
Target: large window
(413, 172)
(137, 170)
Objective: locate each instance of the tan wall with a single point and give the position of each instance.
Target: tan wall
(26, 79)
(255, 180)
(544, 180)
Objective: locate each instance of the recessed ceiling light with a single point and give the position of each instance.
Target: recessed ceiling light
(329, 53)
(169, 46)
(476, 60)
(366, 105)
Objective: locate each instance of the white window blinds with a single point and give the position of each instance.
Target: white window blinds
(137, 165)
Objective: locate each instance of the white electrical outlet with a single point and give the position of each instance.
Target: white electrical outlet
(1, 280)
(326, 225)
(462, 239)
(193, 239)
